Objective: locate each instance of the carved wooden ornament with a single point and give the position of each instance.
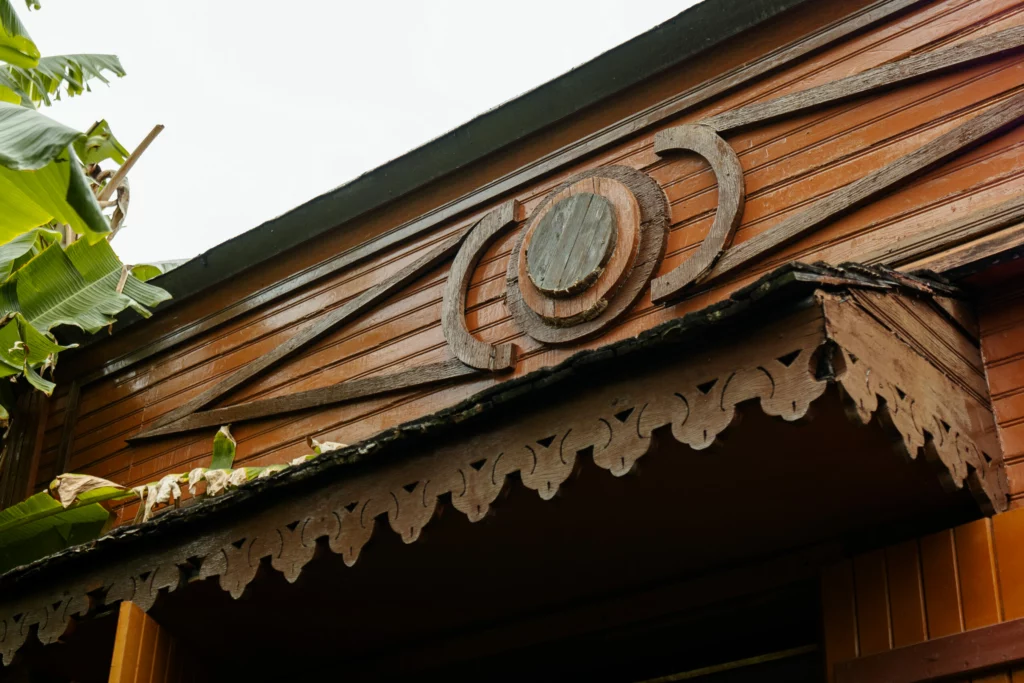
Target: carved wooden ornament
(587, 254)
(696, 397)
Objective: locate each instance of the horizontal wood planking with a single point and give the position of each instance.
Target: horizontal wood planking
(782, 171)
(922, 590)
(1001, 320)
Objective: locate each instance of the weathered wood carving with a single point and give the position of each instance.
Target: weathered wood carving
(726, 260)
(467, 348)
(725, 163)
(599, 263)
(885, 371)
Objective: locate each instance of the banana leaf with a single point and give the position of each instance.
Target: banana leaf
(99, 144)
(41, 526)
(223, 450)
(80, 286)
(70, 74)
(16, 47)
(26, 350)
(21, 249)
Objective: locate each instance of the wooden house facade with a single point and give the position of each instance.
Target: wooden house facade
(704, 361)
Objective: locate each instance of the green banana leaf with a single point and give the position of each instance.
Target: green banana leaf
(29, 140)
(99, 144)
(78, 286)
(148, 271)
(41, 526)
(16, 47)
(70, 74)
(223, 450)
(24, 247)
(26, 350)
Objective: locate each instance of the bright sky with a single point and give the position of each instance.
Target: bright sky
(269, 104)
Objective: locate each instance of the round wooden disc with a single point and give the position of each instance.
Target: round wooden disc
(644, 209)
(571, 243)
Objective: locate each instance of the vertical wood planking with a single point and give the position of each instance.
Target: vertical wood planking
(941, 589)
(144, 652)
(906, 594)
(979, 588)
(126, 643)
(1008, 536)
(840, 615)
(872, 591)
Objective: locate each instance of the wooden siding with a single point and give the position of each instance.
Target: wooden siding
(929, 587)
(787, 165)
(1001, 318)
(145, 652)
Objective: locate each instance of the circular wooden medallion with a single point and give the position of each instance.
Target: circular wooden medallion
(597, 294)
(571, 244)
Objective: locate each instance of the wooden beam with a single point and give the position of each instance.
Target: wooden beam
(848, 197)
(944, 236)
(318, 328)
(435, 373)
(962, 654)
(885, 76)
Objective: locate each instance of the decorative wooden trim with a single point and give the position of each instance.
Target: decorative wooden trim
(885, 76)
(309, 334)
(695, 397)
(958, 140)
(775, 60)
(1004, 245)
(913, 249)
(703, 140)
(424, 375)
(467, 348)
(963, 654)
(933, 415)
(653, 231)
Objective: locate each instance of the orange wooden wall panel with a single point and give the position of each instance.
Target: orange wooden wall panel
(787, 165)
(938, 585)
(1001, 320)
(145, 652)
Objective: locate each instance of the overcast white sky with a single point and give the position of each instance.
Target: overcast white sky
(269, 104)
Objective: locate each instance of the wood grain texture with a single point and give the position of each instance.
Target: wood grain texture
(130, 619)
(1008, 537)
(886, 76)
(976, 570)
(317, 329)
(941, 585)
(906, 594)
(421, 376)
(963, 654)
(938, 150)
(874, 631)
(652, 232)
(704, 141)
(571, 244)
(467, 348)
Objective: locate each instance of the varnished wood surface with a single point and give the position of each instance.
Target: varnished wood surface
(788, 165)
(930, 608)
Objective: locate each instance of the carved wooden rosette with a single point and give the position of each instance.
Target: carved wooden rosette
(599, 296)
(695, 396)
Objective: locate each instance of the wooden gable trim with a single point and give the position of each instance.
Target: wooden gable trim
(884, 364)
(714, 258)
(487, 195)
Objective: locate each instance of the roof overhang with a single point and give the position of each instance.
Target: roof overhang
(895, 352)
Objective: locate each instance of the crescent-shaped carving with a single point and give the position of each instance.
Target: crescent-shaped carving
(467, 348)
(706, 142)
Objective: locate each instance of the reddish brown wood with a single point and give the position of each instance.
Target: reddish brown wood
(317, 329)
(423, 375)
(653, 224)
(885, 76)
(467, 348)
(964, 654)
(938, 150)
(704, 141)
